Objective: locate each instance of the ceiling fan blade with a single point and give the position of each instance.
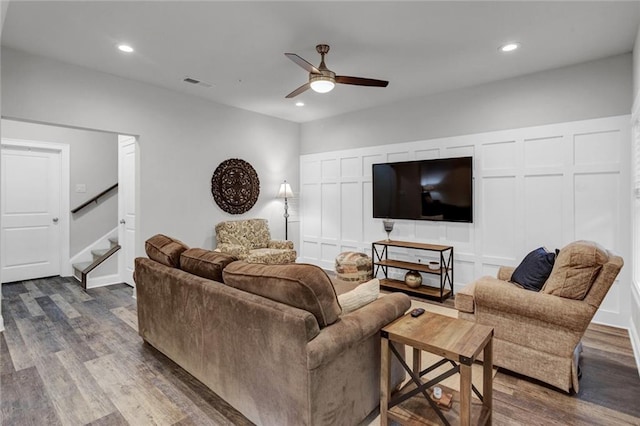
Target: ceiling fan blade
(304, 64)
(299, 90)
(359, 81)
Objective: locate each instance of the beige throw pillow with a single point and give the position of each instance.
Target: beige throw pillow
(576, 268)
(360, 296)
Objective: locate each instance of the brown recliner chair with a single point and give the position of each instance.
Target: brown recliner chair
(538, 334)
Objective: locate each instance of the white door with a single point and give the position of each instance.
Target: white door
(127, 206)
(30, 205)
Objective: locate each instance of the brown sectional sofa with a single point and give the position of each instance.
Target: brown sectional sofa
(272, 341)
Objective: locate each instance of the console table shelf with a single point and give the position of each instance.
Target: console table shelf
(381, 261)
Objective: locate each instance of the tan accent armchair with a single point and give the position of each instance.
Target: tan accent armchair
(537, 334)
(250, 240)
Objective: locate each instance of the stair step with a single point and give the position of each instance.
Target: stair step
(81, 266)
(99, 256)
(113, 241)
(99, 252)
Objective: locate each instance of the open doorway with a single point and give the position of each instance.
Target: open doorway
(92, 169)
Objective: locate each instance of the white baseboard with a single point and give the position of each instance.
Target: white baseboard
(103, 281)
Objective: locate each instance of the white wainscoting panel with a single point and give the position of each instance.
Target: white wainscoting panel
(542, 152)
(351, 211)
(543, 207)
(597, 205)
(499, 217)
(330, 211)
(537, 186)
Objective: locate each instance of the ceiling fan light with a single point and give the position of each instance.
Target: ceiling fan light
(322, 84)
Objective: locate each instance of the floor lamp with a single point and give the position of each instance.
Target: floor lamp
(285, 192)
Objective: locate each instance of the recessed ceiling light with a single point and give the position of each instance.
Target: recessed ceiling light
(509, 47)
(299, 104)
(125, 48)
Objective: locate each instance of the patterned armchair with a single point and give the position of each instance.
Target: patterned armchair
(251, 241)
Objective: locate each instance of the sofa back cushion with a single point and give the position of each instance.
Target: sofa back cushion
(165, 250)
(576, 268)
(249, 233)
(300, 285)
(205, 263)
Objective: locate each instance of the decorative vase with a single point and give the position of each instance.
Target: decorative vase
(413, 279)
(388, 227)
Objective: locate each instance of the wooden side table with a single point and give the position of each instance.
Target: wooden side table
(459, 343)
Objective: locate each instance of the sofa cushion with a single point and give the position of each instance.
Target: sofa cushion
(300, 285)
(360, 296)
(270, 256)
(165, 250)
(534, 269)
(205, 263)
(576, 268)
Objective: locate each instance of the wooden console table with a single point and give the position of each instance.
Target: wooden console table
(459, 342)
(381, 261)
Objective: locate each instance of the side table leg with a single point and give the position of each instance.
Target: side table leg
(385, 365)
(465, 395)
(417, 361)
(487, 371)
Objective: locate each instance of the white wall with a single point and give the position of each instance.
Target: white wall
(93, 163)
(594, 89)
(182, 139)
(3, 14)
(536, 186)
(634, 329)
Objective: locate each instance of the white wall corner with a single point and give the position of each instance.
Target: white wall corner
(1, 323)
(634, 331)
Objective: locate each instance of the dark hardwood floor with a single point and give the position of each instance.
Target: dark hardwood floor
(73, 358)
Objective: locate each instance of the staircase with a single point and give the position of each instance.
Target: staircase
(82, 269)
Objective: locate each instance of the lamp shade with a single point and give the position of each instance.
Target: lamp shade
(285, 190)
(321, 83)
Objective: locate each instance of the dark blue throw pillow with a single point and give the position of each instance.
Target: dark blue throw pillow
(534, 269)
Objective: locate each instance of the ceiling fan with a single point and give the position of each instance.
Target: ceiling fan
(322, 79)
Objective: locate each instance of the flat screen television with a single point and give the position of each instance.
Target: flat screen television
(439, 189)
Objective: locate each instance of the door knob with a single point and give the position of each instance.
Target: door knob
(122, 221)
(55, 220)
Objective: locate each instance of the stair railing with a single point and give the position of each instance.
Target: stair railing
(94, 199)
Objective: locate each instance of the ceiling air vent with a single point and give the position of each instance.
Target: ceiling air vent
(195, 81)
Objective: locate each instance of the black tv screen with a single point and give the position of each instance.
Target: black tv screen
(440, 189)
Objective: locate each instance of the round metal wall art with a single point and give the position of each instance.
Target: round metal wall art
(235, 186)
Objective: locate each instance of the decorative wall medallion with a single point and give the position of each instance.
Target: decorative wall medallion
(235, 186)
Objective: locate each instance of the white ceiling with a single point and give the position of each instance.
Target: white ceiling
(420, 47)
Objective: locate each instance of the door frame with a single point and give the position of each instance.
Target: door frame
(64, 214)
(124, 139)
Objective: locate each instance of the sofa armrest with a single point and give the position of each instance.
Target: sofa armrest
(505, 272)
(355, 327)
(280, 244)
(233, 249)
(498, 295)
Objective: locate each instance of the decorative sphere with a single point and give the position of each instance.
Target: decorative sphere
(413, 279)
